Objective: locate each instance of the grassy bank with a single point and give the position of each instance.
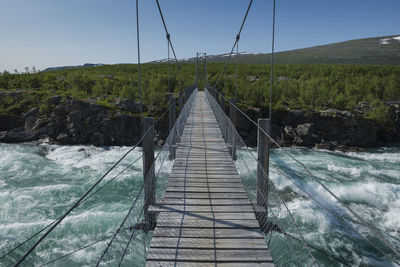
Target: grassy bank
(297, 86)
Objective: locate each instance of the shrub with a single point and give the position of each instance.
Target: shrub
(382, 114)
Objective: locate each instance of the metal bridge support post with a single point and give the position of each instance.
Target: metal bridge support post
(149, 178)
(263, 148)
(172, 119)
(187, 93)
(197, 71)
(205, 70)
(222, 101)
(180, 102)
(231, 134)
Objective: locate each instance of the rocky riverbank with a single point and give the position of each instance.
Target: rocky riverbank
(74, 122)
(327, 129)
(71, 121)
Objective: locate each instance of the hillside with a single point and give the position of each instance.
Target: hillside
(384, 50)
(86, 65)
(98, 105)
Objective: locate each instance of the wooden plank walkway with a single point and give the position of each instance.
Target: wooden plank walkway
(206, 218)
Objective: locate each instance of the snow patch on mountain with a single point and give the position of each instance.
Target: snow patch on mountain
(385, 41)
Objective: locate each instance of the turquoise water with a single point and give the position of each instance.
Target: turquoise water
(367, 182)
(40, 182)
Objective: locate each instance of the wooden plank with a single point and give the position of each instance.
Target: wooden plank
(207, 167)
(205, 218)
(190, 222)
(205, 180)
(214, 202)
(210, 255)
(203, 190)
(206, 184)
(208, 233)
(152, 263)
(208, 175)
(193, 195)
(205, 174)
(203, 208)
(209, 216)
(162, 242)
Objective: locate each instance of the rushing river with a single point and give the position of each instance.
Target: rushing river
(40, 182)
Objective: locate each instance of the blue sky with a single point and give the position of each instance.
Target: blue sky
(45, 33)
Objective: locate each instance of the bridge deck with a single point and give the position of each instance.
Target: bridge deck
(206, 217)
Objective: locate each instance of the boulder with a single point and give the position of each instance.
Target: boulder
(62, 110)
(354, 149)
(31, 113)
(18, 136)
(160, 142)
(55, 100)
(326, 146)
(29, 123)
(39, 123)
(86, 109)
(289, 130)
(120, 130)
(128, 105)
(10, 122)
(293, 118)
(341, 148)
(305, 135)
(74, 120)
(97, 139)
(253, 78)
(63, 138)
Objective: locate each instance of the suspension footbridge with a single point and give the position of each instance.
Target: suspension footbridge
(206, 198)
(205, 216)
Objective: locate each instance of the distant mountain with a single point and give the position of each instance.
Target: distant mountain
(383, 50)
(74, 67)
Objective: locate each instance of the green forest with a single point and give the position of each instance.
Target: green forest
(296, 86)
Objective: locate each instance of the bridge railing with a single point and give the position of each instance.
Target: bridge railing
(131, 241)
(292, 180)
(282, 234)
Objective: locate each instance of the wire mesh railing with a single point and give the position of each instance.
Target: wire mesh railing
(272, 213)
(283, 227)
(130, 247)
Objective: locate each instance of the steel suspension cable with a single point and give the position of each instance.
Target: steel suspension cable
(54, 224)
(95, 192)
(325, 208)
(320, 250)
(169, 67)
(335, 215)
(235, 43)
(79, 249)
(76, 204)
(126, 217)
(316, 179)
(237, 77)
(180, 77)
(120, 227)
(272, 63)
(138, 53)
(166, 31)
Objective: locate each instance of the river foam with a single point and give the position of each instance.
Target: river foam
(40, 182)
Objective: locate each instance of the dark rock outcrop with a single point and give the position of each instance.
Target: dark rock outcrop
(72, 122)
(11, 122)
(78, 122)
(327, 129)
(128, 105)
